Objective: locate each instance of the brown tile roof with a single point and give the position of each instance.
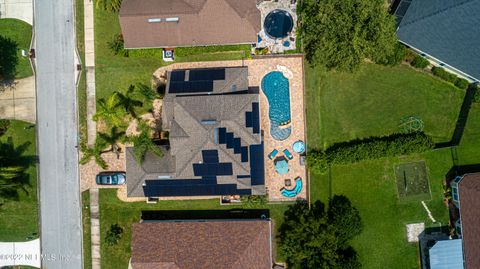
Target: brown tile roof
(469, 190)
(202, 244)
(201, 22)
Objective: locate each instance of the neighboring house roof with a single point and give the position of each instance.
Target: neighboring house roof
(202, 107)
(202, 244)
(446, 254)
(200, 22)
(469, 193)
(448, 30)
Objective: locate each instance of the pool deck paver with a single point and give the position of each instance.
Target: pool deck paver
(292, 67)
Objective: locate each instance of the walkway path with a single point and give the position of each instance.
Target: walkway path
(95, 228)
(17, 9)
(18, 102)
(90, 70)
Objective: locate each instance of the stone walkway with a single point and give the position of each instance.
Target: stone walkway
(90, 71)
(18, 101)
(95, 228)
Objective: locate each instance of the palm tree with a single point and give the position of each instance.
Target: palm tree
(112, 138)
(128, 101)
(13, 170)
(108, 110)
(94, 152)
(142, 143)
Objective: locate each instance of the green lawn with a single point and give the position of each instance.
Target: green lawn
(114, 211)
(82, 84)
(21, 33)
(371, 102)
(343, 107)
(116, 72)
(19, 219)
(87, 240)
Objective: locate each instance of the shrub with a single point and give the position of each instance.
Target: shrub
(368, 149)
(397, 56)
(117, 46)
(420, 62)
(476, 97)
(4, 125)
(113, 234)
(452, 78)
(251, 201)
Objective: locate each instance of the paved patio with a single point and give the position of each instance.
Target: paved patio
(292, 68)
(18, 102)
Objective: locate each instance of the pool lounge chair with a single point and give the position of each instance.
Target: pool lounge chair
(272, 154)
(288, 154)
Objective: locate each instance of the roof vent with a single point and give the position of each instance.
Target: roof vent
(154, 20)
(173, 19)
(209, 122)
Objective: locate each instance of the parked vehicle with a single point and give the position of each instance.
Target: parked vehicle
(111, 178)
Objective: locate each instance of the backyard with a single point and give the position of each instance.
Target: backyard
(19, 219)
(343, 107)
(21, 33)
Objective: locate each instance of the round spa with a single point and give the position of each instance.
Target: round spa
(278, 24)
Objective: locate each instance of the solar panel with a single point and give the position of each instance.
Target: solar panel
(229, 140)
(222, 135)
(177, 75)
(248, 119)
(256, 118)
(181, 188)
(243, 176)
(207, 74)
(237, 143)
(257, 164)
(244, 154)
(212, 169)
(210, 156)
(190, 86)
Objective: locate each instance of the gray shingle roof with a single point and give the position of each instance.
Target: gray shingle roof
(445, 29)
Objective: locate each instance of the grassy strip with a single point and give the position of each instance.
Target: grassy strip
(19, 219)
(114, 211)
(21, 33)
(82, 84)
(87, 240)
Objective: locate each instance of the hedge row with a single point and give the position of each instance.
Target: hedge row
(368, 149)
(419, 62)
(459, 82)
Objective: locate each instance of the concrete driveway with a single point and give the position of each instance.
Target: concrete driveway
(17, 9)
(18, 102)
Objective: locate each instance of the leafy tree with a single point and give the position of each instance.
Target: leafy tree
(143, 143)
(113, 234)
(128, 101)
(113, 138)
(94, 152)
(308, 238)
(4, 125)
(340, 34)
(14, 163)
(109, 111)
(109, 5)
(147, 92)
(8, 58)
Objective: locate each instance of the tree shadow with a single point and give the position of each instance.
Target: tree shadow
(8, 58)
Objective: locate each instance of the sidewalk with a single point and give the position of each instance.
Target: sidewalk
(95, 228)
(90, 70)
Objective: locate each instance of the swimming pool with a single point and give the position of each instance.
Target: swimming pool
(276, 89)
(278, 23)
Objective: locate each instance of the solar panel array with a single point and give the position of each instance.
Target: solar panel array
(177, 75)
(257, 164)
(252, 118)
(207, 74)
(159, 188)
(199, 80)
(190, 86)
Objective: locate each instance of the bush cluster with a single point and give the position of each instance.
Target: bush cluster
(459, 82)
(396, 57)
(4, 125)
(419, 62)
(368, 149)
(476, 96)
(117, 46)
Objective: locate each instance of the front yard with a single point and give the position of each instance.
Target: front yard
(19, 219)
(21, 33)
(342, 107)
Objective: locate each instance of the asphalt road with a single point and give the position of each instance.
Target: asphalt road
(60, 209)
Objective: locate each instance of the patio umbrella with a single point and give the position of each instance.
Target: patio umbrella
(281, 166)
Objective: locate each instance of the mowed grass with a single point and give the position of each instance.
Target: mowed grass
(342, 107)
(21, 33)
(372, 101)
(19, 219)
(87, 240)
(114, 211)
(412, 181)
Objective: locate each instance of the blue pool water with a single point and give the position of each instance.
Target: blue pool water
(276, 89)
